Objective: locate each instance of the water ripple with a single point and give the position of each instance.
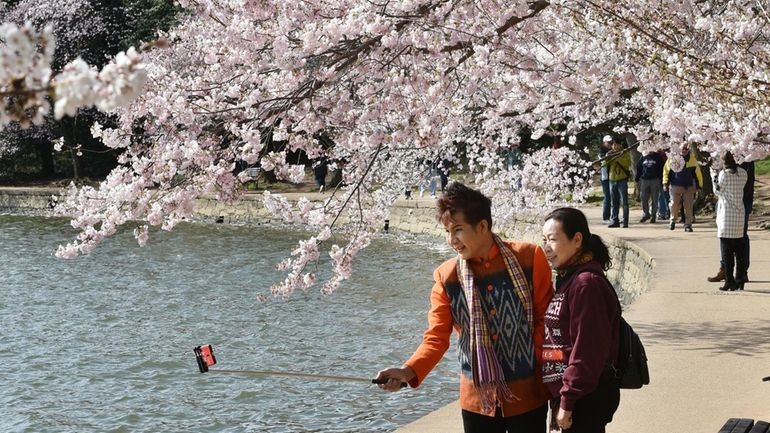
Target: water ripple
(104, 343)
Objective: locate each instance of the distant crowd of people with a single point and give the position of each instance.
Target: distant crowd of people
(666, 192)
(434, 174)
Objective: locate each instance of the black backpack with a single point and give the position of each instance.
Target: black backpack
(631, 370)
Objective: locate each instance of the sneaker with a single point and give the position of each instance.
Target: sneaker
(688, 229)
(614, 224)
(644, 218)
(671, 225)
(606, 222)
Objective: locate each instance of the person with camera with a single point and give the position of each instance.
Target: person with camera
(494, 295)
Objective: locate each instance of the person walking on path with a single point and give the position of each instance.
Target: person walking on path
(320, 169)
(682, 184)
(429, 178)
(748, 205)
(649, 174)
(443, 173)
(604, 173)
(582, 326)
(664, 212)
(494, 294)
(619, 165)
(731, 216)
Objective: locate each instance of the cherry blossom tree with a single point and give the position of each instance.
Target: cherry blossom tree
(393, 84)
(94, 31)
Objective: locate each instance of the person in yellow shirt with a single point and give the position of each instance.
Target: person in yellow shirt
(619, 165)
(683, 185)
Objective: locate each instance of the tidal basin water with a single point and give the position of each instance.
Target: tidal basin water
(104, 343)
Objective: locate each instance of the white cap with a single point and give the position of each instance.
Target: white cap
(607, 139)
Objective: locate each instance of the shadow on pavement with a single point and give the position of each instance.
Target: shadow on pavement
(731, 337)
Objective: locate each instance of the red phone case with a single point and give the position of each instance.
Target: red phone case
(205, 357)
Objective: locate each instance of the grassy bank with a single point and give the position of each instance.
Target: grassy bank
(762, 167)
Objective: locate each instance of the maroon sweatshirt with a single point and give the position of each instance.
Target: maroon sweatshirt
(582, 326)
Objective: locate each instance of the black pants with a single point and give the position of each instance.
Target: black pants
(733, 250)
(594, 411)
(528, 422)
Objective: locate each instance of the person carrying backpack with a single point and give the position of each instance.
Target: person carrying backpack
(582, 326)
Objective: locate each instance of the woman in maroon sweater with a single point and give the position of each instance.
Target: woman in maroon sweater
(581, 326)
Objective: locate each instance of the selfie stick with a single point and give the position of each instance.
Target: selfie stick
(296, 375)
(205, 357)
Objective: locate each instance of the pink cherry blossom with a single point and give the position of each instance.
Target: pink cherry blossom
(392, 85)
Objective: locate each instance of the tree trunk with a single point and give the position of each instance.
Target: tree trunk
(45, 153)
(76, 168)
(67, 128)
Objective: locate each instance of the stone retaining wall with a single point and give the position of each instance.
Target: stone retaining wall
(631, 271)
(247, 211)
(27, 201)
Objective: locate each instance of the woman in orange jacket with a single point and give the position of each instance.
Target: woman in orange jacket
(494, 295)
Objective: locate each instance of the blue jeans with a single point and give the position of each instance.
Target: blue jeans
(663, 198)
(619, 193)
(429, 179)
(606, 200)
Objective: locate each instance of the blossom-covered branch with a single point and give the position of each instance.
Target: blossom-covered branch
(420, 80)
(26, 79)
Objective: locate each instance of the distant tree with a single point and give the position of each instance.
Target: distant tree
(93, 30)
(148, 17)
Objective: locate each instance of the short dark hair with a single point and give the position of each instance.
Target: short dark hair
(457, 197)
(574, 221)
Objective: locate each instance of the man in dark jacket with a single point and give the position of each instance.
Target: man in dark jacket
(649, 172)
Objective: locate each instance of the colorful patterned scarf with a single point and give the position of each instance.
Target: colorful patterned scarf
(488, 376)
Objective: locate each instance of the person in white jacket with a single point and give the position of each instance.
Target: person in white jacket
(728, 185)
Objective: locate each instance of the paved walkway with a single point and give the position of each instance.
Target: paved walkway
(708, 350)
